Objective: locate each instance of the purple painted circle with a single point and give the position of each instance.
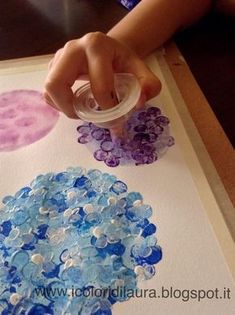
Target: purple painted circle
(146, 139)
(24, 118)
(107, 145)
(98, 134)
(84, 139)
(112, 161)
(100, 155)
(84, 130)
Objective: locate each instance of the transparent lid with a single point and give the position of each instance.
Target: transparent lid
(127, 89)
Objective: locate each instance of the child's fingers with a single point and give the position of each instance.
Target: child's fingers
(99, 53)
(49, 101)
(94, 54)
(62, 76)
(150, 84)
(55, 58)
(102, 80)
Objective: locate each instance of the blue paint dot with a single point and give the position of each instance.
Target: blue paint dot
(116, 249)
(40, 309)
(6, 227)
(52, 274)
(28, 246)
(119, 187)
(42, 229)
(102, 312)
(143, 223)
(156, 255)
(82, 182)
(12, 289)
(23, 192)
(149, 230)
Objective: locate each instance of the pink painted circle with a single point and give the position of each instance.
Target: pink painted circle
(24, 118)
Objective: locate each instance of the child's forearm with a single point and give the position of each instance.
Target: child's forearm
(226, 7)
(152, 22)
(144, 29)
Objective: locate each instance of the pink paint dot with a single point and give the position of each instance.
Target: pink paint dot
(24, 118)
(8, 114)
(3, 102)
(2, 126)
(23, 107)
(9, 138)
(25, 121)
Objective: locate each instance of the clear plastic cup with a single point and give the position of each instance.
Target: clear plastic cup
(128, 92)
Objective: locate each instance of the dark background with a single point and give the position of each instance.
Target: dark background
(37, 27)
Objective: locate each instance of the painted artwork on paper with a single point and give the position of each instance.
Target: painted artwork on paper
(146, 139)
(24, 118)
(76, 229)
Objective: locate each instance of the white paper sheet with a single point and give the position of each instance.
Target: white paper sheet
(192, 258)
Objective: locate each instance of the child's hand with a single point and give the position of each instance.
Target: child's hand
(98, 56)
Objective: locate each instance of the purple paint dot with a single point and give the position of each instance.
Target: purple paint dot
(153, 112)
(138, 155)
(171, 141)
(98, 134)
(151, 125)
(152, 158)
(132, 145)
(93, 127)
(100, 155)
(84, 139)
(111, 161)
(25, 118)
(148, 149)
(140, 128)
(142, 116)
(117, 152)
(162, 121)
(106, 145)
(84, 130)
(159, 130)
(141, 137)
(152, 137)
